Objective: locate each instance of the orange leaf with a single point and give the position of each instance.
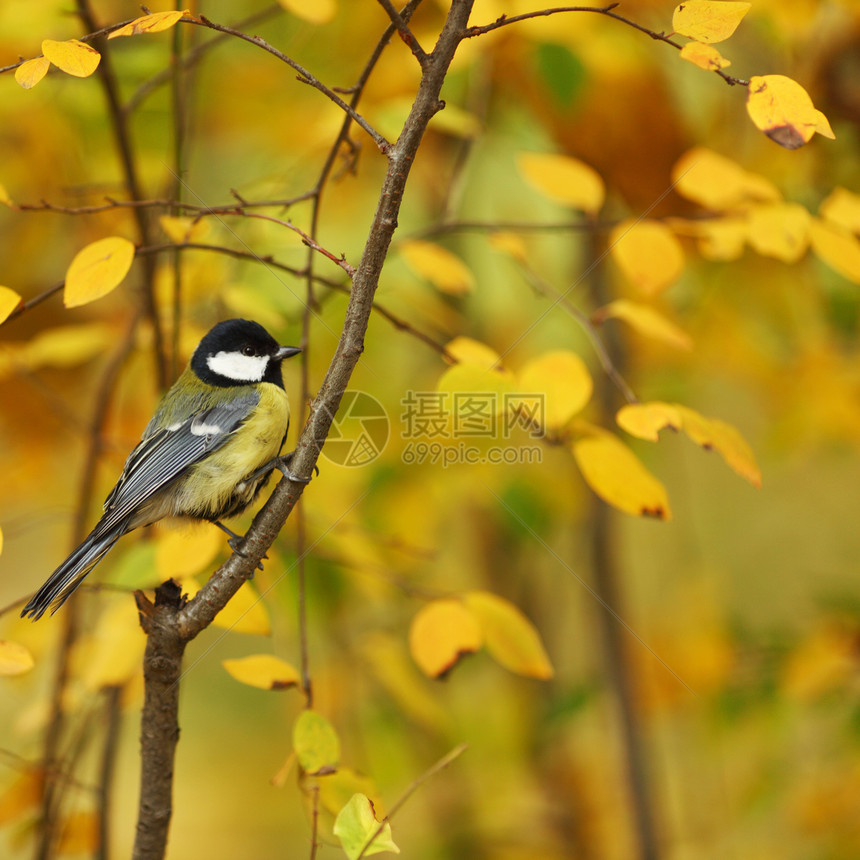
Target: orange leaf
(96, 270)
(722, 437)
(30, 72)
(510, 638)
(704, 56)
(79, 834)
(262, 670)
(783, 110)
(648, 253)
(563, 179)
(646, 420)
(9, 300)
(617, 475)
(154, 23)
(708, 20)
(646, 321)
(563, 380)
(72, 57)
(23, 793)
(440, 634)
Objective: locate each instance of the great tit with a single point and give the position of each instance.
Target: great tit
(207, 452)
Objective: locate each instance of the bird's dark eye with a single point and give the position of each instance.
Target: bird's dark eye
(248, 350)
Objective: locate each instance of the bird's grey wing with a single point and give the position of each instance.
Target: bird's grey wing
(166, 453)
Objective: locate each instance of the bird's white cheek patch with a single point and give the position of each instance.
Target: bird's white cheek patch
(234, 365)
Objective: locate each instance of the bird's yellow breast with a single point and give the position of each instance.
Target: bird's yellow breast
(217, 486)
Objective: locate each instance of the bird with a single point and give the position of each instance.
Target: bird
(211, 446)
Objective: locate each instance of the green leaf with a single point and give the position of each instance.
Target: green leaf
(316, 743)
(356, 824)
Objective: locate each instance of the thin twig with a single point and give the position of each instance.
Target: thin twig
(505, 21)
(304, 76)
(411, 789)
(122, 137)
(402, 26)
(113, 716)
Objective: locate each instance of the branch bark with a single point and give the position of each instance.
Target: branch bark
(170, 624)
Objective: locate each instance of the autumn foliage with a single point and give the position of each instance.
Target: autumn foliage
(526, 608)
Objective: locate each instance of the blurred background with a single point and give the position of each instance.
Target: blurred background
(725, 677)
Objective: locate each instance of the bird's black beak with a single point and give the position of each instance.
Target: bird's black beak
(287, 352)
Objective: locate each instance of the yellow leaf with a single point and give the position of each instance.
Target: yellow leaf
(316, 743)
(563, 380)
(68, 345)
(9, 300)
(456, 121)
(245, 613)
(180, 553)
(836, 247)
(264, 671)
(154, 23)
(184, 229)
(72, 57)
(447, 272)
(356, 825)
(717, 182)
(722, 437)
(469, 351)
(617, 475)
(510, 243)
(783, 110)
(79, 834)
(440, 634)
(564, 179)
(779, 230)
(30, 72)
(648, 253)
(22, 794)
(15, 659)
(646, 321)
(492, 386)
(646, 420)
(97, 269)
(111, 653)
(708, 20)
(510, 638)
(722, 238)
(4, 196)
(704, 56)
(312, 11)
(842, 207)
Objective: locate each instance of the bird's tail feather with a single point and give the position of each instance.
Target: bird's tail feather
(68, 576)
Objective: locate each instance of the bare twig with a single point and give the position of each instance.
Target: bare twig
(304, 76)
(505, 21)
(411, 789)
(402, 26)
(113, 715)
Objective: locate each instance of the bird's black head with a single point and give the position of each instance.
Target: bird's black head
(240, 352)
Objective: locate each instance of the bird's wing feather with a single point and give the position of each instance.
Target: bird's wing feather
(167, 452)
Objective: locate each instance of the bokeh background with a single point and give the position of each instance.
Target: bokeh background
(739, 619)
